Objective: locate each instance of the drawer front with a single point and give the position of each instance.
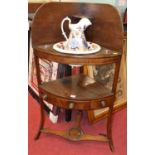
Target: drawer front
(79, 105)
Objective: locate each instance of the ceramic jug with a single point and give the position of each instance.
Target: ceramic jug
(76, 39)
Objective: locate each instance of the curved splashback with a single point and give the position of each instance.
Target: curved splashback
(106, 29)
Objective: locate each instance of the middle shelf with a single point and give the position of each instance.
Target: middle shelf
(78, 92)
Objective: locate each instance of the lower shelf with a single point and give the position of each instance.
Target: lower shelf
(76, 135)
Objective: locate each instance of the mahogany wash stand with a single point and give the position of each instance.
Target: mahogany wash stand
(72, 92)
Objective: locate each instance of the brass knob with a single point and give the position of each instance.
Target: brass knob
(103, 103)
(71, 105)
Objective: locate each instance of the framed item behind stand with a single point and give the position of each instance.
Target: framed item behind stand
(105, 75)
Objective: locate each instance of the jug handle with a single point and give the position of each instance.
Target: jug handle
(62, 23)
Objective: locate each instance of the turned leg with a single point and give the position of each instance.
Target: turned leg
(41, 119)
(78, 118)
(109, 128)
(76, 132)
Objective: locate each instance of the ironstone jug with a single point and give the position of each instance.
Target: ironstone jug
(76, 39)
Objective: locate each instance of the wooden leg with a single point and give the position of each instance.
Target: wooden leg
(41, 119)
(76, 132)
(109, 129)
(78, 118)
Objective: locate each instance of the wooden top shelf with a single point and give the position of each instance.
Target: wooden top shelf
(103, 56)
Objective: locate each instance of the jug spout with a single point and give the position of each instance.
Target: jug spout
(84, 23)
(81, 25)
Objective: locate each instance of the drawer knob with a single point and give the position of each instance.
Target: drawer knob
(103, 103)
(71, 105)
